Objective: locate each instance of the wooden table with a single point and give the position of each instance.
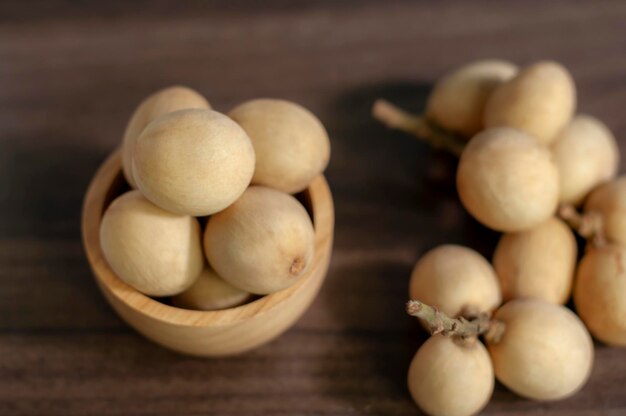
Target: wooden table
(72, 72)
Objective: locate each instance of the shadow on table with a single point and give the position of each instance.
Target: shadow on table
(395, 198)
(43, 185)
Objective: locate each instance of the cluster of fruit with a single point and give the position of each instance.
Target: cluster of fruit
(184, 161)
(527, 164)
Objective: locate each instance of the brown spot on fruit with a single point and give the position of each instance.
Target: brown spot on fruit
(297, 265)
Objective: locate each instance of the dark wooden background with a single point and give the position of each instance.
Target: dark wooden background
(71, 73)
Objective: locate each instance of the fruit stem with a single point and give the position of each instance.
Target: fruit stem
(440, 323)
(419, 126)
(587, 225)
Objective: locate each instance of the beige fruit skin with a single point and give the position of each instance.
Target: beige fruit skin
(154, 106)
(586, 155)
(609, 200)
(538, 263)
(155, 251)
(507, 180)
(545, 352)
(600, 293)
(540, 100)
(448, 379)
(194, 162)
(291, 144)
(210, 292)
(458, 100)
(456, 280)
(262, 243)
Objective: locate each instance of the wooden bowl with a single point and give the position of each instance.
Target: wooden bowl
(205, 333)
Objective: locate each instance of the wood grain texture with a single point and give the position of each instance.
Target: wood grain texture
(70, 76)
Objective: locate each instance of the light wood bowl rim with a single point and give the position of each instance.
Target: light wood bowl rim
(93, 209)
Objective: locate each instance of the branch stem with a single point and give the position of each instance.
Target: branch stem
(440, 323)
(419, 126)
(588, 225)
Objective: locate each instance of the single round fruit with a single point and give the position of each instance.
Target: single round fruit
(457, 280)
(600, 293)
(545, 351)
(458, 100)
(586, 155)
(210, 292)
(291, 144)
(538, 263)
(539, 100)
(194, 162)
(262, 243)
(451, 379)
(156, 105)
(156, 252)
(609, 201)
(507, 180)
